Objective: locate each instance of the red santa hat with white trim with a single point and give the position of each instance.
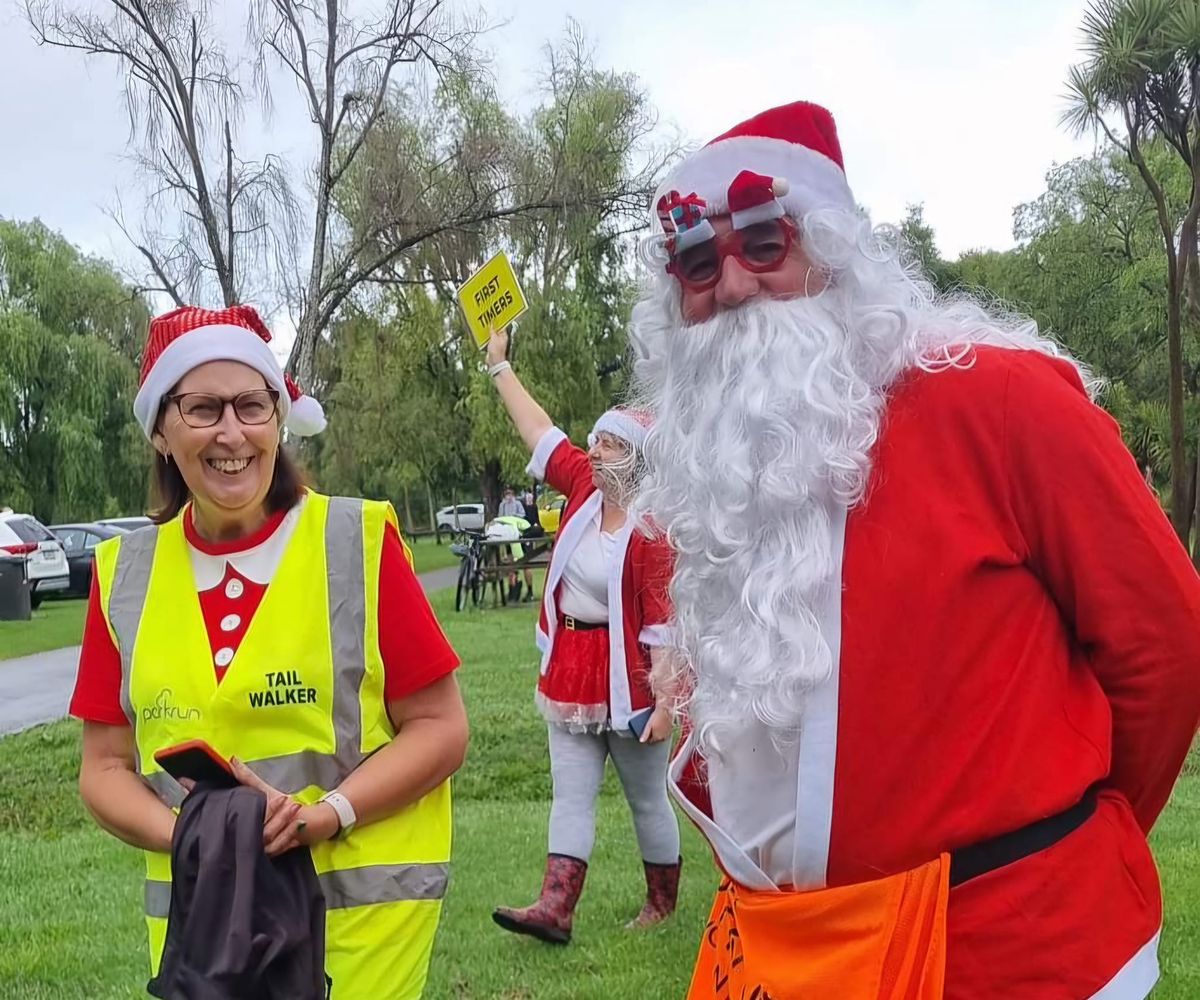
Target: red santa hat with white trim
(783, 161)
(631, 426)
(189, 337)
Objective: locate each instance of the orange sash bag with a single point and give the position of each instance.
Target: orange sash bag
(879, 940)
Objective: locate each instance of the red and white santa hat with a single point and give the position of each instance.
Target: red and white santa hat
(783, 161)
(630, 426)
(189, 337)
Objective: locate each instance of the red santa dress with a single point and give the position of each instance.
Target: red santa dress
(593, 680)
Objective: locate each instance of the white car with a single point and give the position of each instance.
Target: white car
(45, 560)
(464, 517)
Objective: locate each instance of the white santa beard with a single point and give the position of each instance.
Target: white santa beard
(765, 417)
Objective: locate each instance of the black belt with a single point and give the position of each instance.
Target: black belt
(988, 855)
(575, 625)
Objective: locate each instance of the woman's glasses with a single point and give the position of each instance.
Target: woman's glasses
(204, 409)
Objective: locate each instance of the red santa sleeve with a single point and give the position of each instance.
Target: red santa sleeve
(654, 595)
(1099, 539)
(97, 696)
(414, 649)
(559, 463)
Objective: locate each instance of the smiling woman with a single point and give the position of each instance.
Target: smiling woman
(218, 439)
(287, 631)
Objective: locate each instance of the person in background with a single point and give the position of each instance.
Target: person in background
(604, 623)
(511, 527)
(287, 630)
(530, 507)
(533, 536)
(510, 506)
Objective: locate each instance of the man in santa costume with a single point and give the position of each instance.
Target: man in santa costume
(943, 648)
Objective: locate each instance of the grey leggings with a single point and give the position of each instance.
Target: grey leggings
(577, 767)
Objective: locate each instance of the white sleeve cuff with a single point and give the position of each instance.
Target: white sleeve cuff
(657, 635)
(542, 452)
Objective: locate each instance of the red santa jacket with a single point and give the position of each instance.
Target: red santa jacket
(639, 609)
(1017, 622)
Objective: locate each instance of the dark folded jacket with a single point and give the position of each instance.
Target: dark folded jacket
(241, 925)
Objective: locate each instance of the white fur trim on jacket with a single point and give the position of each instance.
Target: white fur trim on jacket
(658, 635)
(198, 347)
(1137, 976)
(551, 439)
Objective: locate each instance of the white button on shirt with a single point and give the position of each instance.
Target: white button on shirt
(234, 589)
(223, 657)
(230, 622)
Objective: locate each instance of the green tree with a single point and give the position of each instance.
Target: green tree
(917, 236)
(395, 424)
(69, 447)
(1089, 267)
(1141, 82)
(580, 166)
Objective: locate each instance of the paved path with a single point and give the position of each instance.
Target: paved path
(439, 579)
(36, 689)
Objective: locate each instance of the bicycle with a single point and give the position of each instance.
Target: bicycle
(472, 579)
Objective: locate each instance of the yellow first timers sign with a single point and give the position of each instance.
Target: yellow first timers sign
(491, 298)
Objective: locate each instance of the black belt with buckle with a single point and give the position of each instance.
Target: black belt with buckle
(575, 625)
(988, 855)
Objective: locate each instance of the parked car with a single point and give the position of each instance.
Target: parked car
(464, 517)
(126, 523)
(45, 560)
(80, 541)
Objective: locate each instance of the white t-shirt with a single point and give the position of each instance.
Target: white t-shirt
(584, 592)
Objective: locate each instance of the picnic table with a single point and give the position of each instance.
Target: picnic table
(488, 564)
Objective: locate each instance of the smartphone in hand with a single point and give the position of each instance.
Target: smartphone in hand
(639, 721)
(195, 759)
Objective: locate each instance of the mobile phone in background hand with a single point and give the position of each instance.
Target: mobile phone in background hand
(195, 759)
(639, 721)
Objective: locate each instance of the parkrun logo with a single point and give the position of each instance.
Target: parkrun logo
(164, 708)
(284, 687)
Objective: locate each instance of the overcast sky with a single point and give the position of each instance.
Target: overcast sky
(953, 103)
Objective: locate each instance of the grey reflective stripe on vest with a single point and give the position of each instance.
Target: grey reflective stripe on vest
(346, 585)
(347, 632)
(346, 887)
(347, 626)
(383, 884)
(157, 898)
(127, 599)
(166, 787)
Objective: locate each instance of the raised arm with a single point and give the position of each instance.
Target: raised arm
(526, 413)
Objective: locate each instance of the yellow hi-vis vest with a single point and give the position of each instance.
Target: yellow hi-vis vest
(302, 705)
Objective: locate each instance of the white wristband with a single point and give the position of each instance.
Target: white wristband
(496, 369)
(343, 808)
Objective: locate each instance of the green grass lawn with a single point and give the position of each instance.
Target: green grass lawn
(70, 895)
(428, 555)
(54, 625)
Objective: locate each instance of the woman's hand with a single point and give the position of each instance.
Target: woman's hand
(659, 727)
(497, 347)
(287, 823)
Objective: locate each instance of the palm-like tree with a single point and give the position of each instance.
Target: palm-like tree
(1142, 72)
